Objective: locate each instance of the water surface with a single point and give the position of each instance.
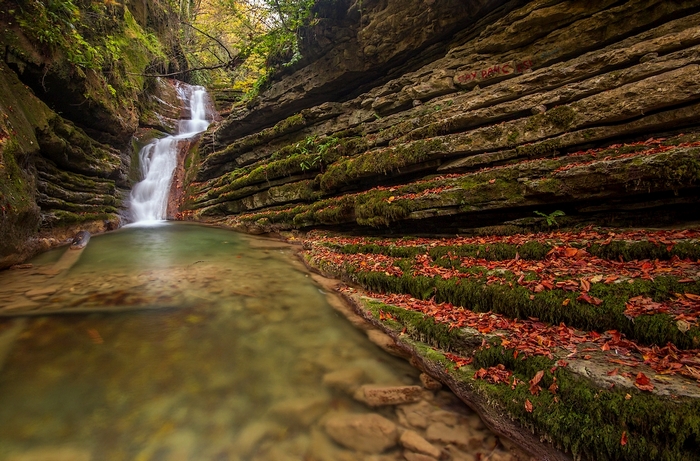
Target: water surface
(216, 347)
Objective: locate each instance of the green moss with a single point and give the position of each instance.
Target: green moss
(561, 116)
(631, 251)
(516, 302)
(377, 162)
(580, 417)
(539, 149)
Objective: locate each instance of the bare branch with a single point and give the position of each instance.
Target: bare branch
(230, 56)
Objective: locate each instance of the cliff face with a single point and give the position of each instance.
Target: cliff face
(440, 117)
(489, 119)
(70, 106)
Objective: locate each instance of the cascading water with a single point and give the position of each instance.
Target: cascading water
(158, 159)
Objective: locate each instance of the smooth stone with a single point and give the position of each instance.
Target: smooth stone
(429, 382)
(415, 415)
(255, 433)
(346, 379)
(41, 292)
(368, 433)
(80, 240)
(321, 448)
(440, 432)
(411, 456)
(386, 342)
(413, 441)
(51, 454)
(302, 411)
(442, 416)
(376, 395)
(21, 305)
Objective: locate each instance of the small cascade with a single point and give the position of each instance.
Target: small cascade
(158, 159)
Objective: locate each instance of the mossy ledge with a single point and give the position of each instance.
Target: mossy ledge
(581, 421)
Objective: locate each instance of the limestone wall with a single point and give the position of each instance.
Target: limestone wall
(480, 114)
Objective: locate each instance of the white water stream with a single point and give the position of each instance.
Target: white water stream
(158, 159)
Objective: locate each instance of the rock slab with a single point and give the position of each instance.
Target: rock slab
(368, 433)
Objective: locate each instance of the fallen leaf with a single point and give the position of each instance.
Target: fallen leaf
(590, 299)
(491, 181)
(628, 396)
(623, 440)
(612, 372)
(683, 326)
(585, 285)
(534, 388)
(643, 382)
(566, 302)
(528, 406)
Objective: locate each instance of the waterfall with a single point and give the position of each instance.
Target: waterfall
(158, 159)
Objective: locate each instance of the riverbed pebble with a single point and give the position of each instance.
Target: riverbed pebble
(378, 395)
(367, 433)
(412, 441)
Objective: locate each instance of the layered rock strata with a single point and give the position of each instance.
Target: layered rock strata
(518, 96)
(507, 117)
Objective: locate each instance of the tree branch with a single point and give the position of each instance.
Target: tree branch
(230, 56)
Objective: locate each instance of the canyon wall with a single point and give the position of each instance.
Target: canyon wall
(71, 101)
(445, 117)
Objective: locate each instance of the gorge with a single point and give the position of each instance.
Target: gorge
(507, 189)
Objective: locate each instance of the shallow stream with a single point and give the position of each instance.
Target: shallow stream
(207, 345)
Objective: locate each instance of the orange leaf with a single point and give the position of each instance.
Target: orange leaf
(528, 406)
(692, 296)
(585, 285)
(612, 372)
(491, 181)
(590, 299)
(570, 252)
(643, 382)
(623, 440)
(566, 302)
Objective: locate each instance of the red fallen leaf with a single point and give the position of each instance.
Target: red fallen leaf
(605, 347)
(623, 440)
(643, 383)
(570, 252)
(534, 388)
(562, 363)
(692, 296)
(538, 288)
(528, 406)
(586, 357)
(612, 372)
(590, 299)
(554, 388)
(585, 285)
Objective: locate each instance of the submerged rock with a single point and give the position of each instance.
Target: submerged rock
(367, 433)
(378, 395)
(80, 240)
